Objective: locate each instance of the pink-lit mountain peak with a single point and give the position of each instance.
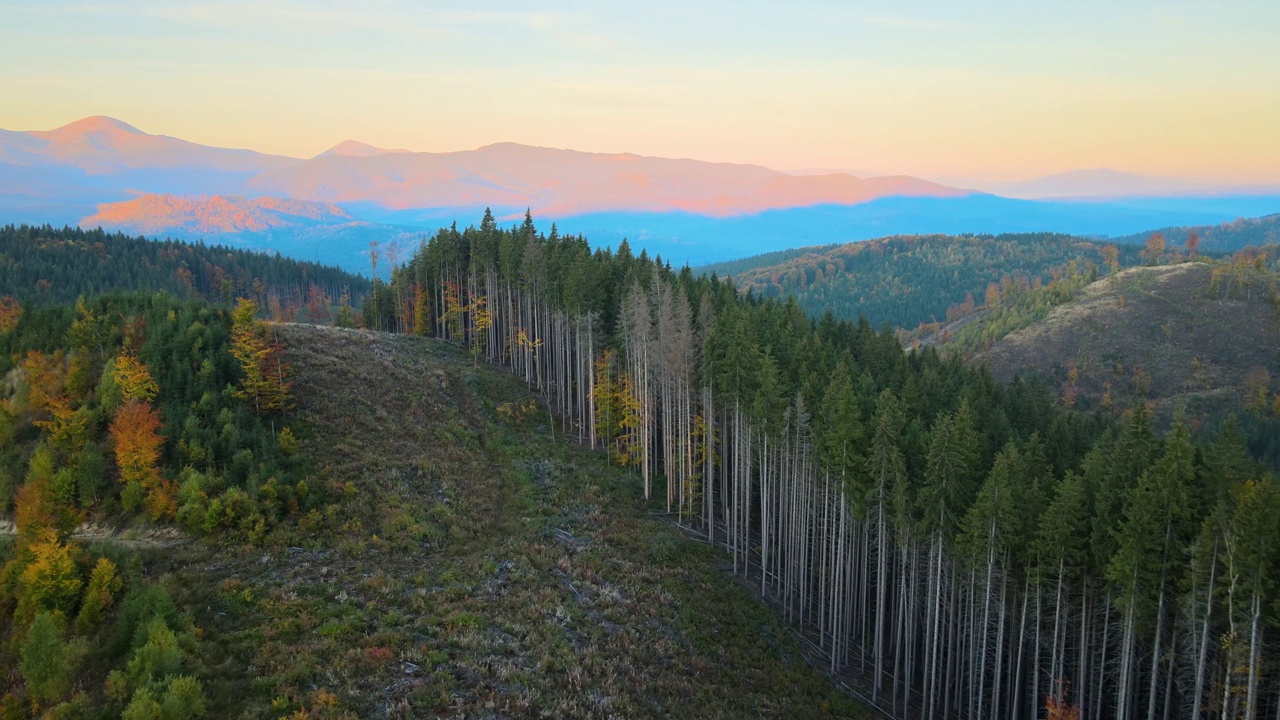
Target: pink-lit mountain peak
(505, 175)
(355, 148)
(103, 145)
(95, 124)
(564, 182)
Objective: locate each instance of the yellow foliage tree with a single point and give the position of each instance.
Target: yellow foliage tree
(104, 583)
(51, 580)
(617, 411)
(134, 379)
(266, 384)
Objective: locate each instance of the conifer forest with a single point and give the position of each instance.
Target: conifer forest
(963, 548)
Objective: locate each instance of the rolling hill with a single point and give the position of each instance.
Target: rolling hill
(1223, 238)
(468, 563)
(907, 281)
(46, 265)
(1200, 336)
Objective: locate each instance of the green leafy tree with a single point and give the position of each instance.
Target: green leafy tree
(104, 584)
(45, 661)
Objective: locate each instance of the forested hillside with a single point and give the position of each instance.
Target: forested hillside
(133, 408)
(961, 547)
(1226, 237)
(948, 545)
(907, 281)
(51, 265)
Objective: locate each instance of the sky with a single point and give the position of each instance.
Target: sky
(941, 89)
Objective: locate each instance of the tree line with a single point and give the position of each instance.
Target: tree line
(966, 548)
(47, 265)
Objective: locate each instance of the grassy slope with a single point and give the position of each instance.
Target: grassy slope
(1195, 345)
(474, 569)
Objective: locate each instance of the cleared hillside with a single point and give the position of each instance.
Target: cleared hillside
(1197, 335)
(472, 565)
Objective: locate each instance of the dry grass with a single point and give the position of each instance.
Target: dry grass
(1161, 328)
(466, 568)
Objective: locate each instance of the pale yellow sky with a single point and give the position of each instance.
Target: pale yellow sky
(994, 90)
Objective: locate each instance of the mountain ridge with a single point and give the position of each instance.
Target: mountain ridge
(508, 175)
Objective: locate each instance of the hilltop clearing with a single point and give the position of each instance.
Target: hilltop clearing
(475, 567)
(1202, 336)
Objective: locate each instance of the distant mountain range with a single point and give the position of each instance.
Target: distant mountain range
(101, 171)
(1108, 183)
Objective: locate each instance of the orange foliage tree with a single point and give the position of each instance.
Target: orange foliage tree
(49, 401)
(135, 432)
(10, 313)
(1154, 248)
(1192, 243)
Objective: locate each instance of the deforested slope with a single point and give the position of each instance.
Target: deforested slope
(1203, 337)
(472, 564)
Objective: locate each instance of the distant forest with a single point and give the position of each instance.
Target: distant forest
(1226, 237)
(907, 281)
(46, 265)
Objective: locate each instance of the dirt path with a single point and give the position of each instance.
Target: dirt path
(133, 538)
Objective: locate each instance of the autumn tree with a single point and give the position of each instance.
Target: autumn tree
(133, 379)
(617, 411)
(1111, 257)
(51, 581)
(317, 305)
(10, 313)
(135, 434)
(1154, 248)
(49, 401)
(267, 383)
(104, 584)
(992, 297)
(1192, 243)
